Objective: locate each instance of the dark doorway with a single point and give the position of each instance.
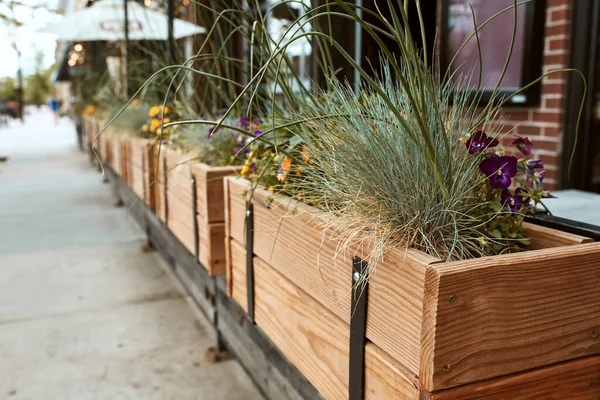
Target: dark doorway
(582, 153)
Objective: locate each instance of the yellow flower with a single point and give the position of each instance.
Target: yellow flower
(286, 164)
(272, 189)
(281, 177)
(158, 111)
(135, 102)
(306, 155)
(154, 125)
(246, 168)
(153, 111)
(89, 110)
(165, 120)
(145, 128)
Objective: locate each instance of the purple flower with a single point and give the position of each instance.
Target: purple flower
(210, 131)
(244, 123)
(253, 167)
(523, 144)
(531, 166)
(524, 195)
(257, 132)
(513, 203)
(479, 141)
(538, 178)
(236, 150)
(499, 170)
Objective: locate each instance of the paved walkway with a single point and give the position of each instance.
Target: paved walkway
(84, 314)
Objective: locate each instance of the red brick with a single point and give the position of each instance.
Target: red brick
(541, 144)
(551, 132)
(551, 174)
(515, 115)
(553, 103)
(552, 186)
(558, 44)
(528, 130)
(547, 116)
(556, 75)
(562, 29)
(553, 88)
(555, 59)
(559, 15)
(554, 3)
(547, 159)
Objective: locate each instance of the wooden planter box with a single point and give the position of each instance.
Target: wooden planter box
(125, 164)
(518, 326)
(114, 149)
(138, 148)
(91, 127)
(149, 163)
(201, 229)
(159, 158)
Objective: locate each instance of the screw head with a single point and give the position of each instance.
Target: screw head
(447, 368)
(452, 298)
(594, 335)
(356, 276)
(248, 213)
(192, 181)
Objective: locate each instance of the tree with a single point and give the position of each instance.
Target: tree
(8, 90)
(37, 85)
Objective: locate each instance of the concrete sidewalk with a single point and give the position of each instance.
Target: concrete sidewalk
(84, 314)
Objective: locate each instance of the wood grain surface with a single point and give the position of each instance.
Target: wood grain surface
(575, 380)
(315, 340)
(499, 315)
(298, 248)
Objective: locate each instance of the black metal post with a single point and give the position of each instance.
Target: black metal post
(126, 48)
(358, 328)
(250, 260)
(170, 36)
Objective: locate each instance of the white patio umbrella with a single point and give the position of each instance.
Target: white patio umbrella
(105, 21)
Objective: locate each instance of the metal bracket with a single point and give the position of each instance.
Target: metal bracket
(358, 327)
(166, 199)
(250, 259)
(195, 214)
(565, 225)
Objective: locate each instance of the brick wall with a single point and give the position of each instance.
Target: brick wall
(543, 124)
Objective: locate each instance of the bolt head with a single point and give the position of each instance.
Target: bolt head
(248, 213)
(356, 276)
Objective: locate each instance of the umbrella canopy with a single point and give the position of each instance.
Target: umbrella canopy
(105, 21)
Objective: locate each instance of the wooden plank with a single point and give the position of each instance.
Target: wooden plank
(124, 169)
(209, 185)
(150, 176)
(499, 315)
(137, 181)
(211, 240)
(159, 197)
(315, 340)
(544, 238)
(272, 372)
(298, 248)
(575, 380)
